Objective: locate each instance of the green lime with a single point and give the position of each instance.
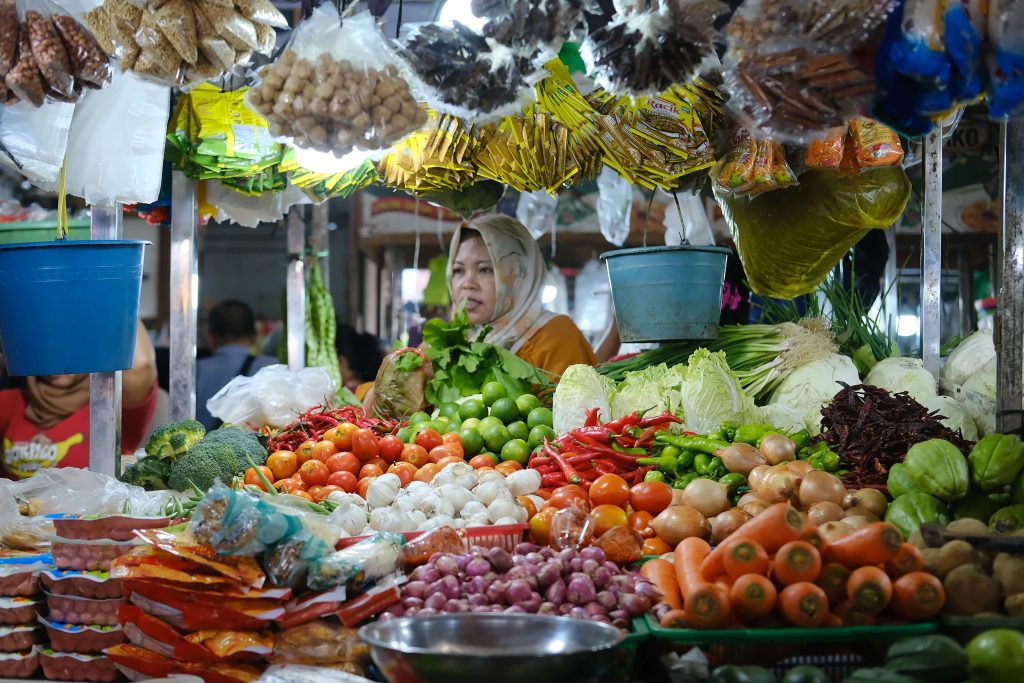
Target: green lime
(417, 418)
(492, 391)
(448, 410)
(516, 450)
(454, 425)
(506, 410)
(471, 423)
(472, 442)
(495, 436)
(430, 424)
(473, 407)
(519, 430)
(440, 424)
(539, 433)
(489, 422)
(538, 417)
(526, 403)
(406, 434)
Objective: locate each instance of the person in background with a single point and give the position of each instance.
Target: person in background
(232, 335)
(45, 422)
(359, 356)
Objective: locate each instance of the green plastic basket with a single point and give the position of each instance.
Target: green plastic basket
(625, 653)
(963, 629)
(840, 634)
(41, 231)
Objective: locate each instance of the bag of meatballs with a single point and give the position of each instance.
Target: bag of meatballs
(337, 87)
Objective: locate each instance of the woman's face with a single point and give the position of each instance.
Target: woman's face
(473, 280)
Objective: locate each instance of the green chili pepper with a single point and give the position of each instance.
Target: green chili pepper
(701, 462)
(628, 451)
(664, 463)
(801, 439)
(751, 434)
(684, 480)
(671, 450)
(716, 468)
(733, 480)
(816, 462)
(728, 429)
(740, 491)
(830, 461)
(804, 453)
(701, 444)
(654, 476)
(685, 460)
(842, 473)
(717, 435)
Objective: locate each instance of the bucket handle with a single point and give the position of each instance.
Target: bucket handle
(682, 225)
(62, 204)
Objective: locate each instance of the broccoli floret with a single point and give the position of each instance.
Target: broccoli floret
(202, 465)
(243, 442)
(174, 438)
(148, 472)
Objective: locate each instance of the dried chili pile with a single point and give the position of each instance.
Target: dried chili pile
(872, 430)
(311, 425)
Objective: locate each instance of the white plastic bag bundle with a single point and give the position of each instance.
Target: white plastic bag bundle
(536, 211)
(250, 211)
(71, 490)
(614, 206)
(37, 138)
(689, 223)
(273, 396)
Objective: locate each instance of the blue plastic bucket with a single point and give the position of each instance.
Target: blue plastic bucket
(667, 293)
(69, 307)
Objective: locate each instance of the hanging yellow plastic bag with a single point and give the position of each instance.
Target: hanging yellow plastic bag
(790, 239)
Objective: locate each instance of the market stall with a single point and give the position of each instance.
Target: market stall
(788, 500)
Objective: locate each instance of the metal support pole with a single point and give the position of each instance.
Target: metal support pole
(295, 325)
(1010, 313)
(931, 253)
(320, 240)
(184, 296)
(105, 387)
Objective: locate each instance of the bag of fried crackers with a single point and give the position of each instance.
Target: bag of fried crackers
(752, 167)
(870, 145)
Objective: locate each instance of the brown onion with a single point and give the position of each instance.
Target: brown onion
(777, 448)
(726, 523)
(677, 522)
(707, 496)
(871, 501)
(757, 476)
(818, 486)
(825, 511)
(741, 457)
(780, 484)
(801, 467)
(754, 507)
(857, 521)
(830, 531)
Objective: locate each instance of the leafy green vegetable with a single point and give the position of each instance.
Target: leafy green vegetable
(652, 390)
(409, 361)
(579, 390)
(711, 394)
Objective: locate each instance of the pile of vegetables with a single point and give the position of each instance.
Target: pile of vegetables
(313, 424)
(778, 566)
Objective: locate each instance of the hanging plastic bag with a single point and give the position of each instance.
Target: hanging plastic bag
(251, 210)
(36, 138)
(401, 385)
(689, 222)
(752, 167)
(537, 211)
(840, 24)
(1006, 63)
(789, 240)
(273, 396)
(614, 206)
(593, 297)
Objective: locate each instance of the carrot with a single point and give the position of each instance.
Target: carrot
(876, 543)
(804, 604)
(851, 616)
(832, 621)
(675, 618)
(753, 596)
(832, 579)
(776, 526)
(795, 562)
(917, 596)
(813, 536)
(706, 604)
(869, 589)
(907, 560)
(662, 574)
(745, 557)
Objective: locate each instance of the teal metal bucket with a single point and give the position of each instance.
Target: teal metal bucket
(70, 306)
(667, 293)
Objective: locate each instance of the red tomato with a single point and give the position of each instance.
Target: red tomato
(655, 546)
(343, 462)
(253, 479)
(508, 467)
(609, 489)
(404, 470)
(290, 485)
(370, 471)
(283, 464)
(391, 448)
(564, 496)
(650, 496)
(640, 522)
(326, 491)
(427, 472)
(607, 516)
(363, 485)
(303, 495)
(379, 462)
(529, 505)
(314, 492)
(344, 480)
(365, 444)
(429, 439)
(305, 451)
(454, 442)
(341, 436)
(540, 526)
(478, 461)
(444, 462)
(415, 454)
(439, 452)
(323, 450)
(314, 473)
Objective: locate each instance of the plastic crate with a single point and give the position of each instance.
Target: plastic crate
(506, 536)
(963, 629)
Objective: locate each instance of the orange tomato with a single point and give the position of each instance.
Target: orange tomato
(508, 467)
(370, 470)
(314, 492)
(391, 447)
(326, 491)
(650, 496)
(655, 546)
(404, 470)
(415, 454)
(365, 444)
(303, 495)
(323, 450)
(444, 462)
(540, 526)
(429, 439)
(346, 481)
(563, 497)
(640, 522)
(379, 462)
(609, 489)
(314, 473)
(478, 461)
(341, 436)
(529, 505)
(427, 472)
(438, 452)
(289, 485)
(283, 464)
(344, 462)
(607, 516)
(363, 485)
(305, 451)
(454, 441)
(253, 479)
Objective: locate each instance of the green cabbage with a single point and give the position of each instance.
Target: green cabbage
(969, 357)
(652, 391)
(813, 385)
(782, 417)
(579, 390)
(955, 415)
(903, 374)
(711, 394)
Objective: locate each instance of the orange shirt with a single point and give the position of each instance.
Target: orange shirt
(556, 346)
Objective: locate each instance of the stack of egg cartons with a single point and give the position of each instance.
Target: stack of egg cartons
(21, 635)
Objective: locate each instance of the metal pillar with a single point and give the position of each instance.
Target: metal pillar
(184, 296)
(320, 241)
(931, 253)
(295, 325)
(1010, 314)
(105, 387)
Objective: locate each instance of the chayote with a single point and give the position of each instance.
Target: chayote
(996, 461)
(898, 482)
(1007, 519)
(908, 512)
(938, 467)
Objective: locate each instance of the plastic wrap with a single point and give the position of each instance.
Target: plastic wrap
(320, 643)
(440, 540)
(24, 79)
(571, 528)
(752, 167)
(50, 55)
(210, 645)
(614, 206)
(20, 637)
(401, 384)
(88, 61)
(337, 88)
(273, 396)
(203, 610)
(841, 24)
(789, 240)
(74, 666)
(70, 490)
(1006, 63)
(144, 664)
(530, 25)
(361, 564)
(95, 584)
(536, 211)
(826, 152)
(10, 30)
(871, 145)
(19, 664)
(82, 638)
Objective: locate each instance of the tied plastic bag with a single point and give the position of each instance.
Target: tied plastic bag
(401, 385)
(1006, 63)
(752, 167)
(614, 206)
(537, 211)
(271, 397)
(689, 223)
(225, 204)
(360, 565)
(36, 138)
(791, 239)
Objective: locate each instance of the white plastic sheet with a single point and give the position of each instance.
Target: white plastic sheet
(614, 206)
(273, 396)
(37, 138)
(536, 210)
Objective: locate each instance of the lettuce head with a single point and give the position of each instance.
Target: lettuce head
(711, 393)
(650, 391)
(580, 390)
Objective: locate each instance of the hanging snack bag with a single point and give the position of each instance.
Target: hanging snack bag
(361, 564)
(337, 88)
(1006, 63)
(10, 29)
(531, 25)
(88, 61)
(49, 53)
(24, 78)
(872, 145)
(840, 24)
(826, 152)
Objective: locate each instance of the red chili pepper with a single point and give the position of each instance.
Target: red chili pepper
(592, 420)
(571, 475)
(554, 479)
(599, 433)
(648, 435)
(580, 459)
(620, 425)
(659, 420)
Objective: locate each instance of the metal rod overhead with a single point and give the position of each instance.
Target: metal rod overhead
(931, 253)
(1010, 312)
(184, 297)
(105, 387)
(295, 283)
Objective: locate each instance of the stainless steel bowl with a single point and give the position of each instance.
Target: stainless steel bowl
(491, 648)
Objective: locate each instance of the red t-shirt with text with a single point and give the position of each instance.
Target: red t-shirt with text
(27, 448)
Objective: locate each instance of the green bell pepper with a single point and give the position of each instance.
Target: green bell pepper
(681, 482)
(733, 480)
(701, 444)
(801, 439)
(752, 433)
(654, 475)
(701, 463)
(996, 461)
(685, 461)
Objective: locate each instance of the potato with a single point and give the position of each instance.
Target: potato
(917, 540)
(970, 591)
(1014, 605)
(968, 526)
(956, 554)
(1008, 570)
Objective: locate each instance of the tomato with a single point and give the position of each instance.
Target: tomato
(607, 516)
(283, 464)
(289, 485)
(344, 480)
(454, 441)
(253, 479)
(429, 439)
(365, 444)
(609, 489)
(479, 461)
(323, 450)
(370, 470)
(303, 495)
(655, 546)
(315, 492)
(448, 460)
(415, 454)
(314, 473)
(363, 485)
(563, 497)
(540, 526)
(508, 467)
(640, 522)
(404, 470)
(344, 462)
(341, 436)
(379, 462)
(427, 472)
(529, 505)
(326, 491)
(650, 496)
(391, 448)
(305, 451)
(439, 452)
